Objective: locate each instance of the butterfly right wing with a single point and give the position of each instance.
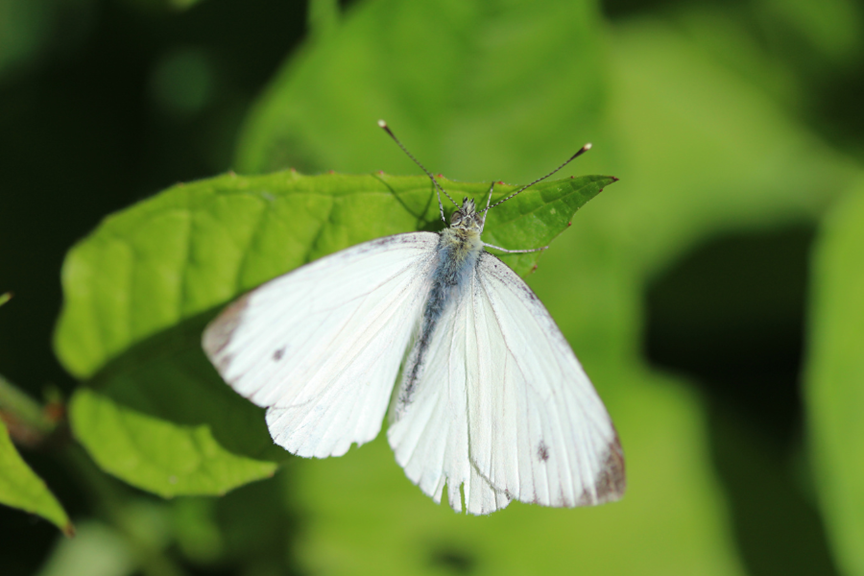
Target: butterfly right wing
(320, 347)
(429, 431)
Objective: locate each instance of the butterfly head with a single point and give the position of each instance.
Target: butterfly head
(467, 217)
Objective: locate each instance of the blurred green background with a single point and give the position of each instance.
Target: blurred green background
(715, 294)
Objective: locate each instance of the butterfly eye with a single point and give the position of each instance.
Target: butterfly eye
(456, 218)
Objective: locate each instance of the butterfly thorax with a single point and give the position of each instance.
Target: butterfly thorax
(459, 248)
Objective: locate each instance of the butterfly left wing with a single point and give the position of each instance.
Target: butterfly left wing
(502, 408)
(320, 347)
(538, 430)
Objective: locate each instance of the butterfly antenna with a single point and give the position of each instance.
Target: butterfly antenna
(488, 200)
(438, 188)
(581, 151)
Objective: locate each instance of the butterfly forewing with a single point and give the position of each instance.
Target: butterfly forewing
(320, 347)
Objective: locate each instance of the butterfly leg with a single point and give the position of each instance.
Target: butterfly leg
(505, 250)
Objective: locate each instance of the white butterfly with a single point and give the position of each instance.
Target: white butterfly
(490, 397)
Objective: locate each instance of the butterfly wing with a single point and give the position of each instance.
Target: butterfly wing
(538, 430)
(320, 347)
(429, 434)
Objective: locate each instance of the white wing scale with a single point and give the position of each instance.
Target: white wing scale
(321, 346)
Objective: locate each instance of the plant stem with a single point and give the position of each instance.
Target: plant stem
(26, 418)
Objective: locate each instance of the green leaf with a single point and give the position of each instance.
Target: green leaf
(139, 290)
(444, 74)
(4, 298)
(684, 121)
(157, 454)
(20, 487)
(835, 377)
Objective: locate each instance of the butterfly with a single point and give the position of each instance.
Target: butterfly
(484, 394)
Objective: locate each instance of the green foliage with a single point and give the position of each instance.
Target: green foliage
(835, 376)
(443, 74)
(139, 289)
(719, 118)
(20, 487)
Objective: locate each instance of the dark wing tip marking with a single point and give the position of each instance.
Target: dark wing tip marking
(542, 451)
(611, 480)
(218, 333)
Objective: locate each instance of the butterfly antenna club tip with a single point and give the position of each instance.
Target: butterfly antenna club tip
(438, 187)
(578, 153)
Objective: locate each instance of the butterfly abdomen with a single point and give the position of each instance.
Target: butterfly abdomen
(458, 252)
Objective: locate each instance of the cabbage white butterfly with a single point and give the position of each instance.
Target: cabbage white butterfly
(490, 397)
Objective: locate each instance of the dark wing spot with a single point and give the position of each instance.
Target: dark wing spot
(611, 481)
(542, 451)
(278, 354)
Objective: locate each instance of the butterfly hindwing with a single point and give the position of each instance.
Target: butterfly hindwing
(429, 435)
(320, 347)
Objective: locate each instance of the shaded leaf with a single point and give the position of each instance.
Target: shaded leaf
(396, 529)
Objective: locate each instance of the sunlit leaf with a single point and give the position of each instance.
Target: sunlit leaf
(20, 487)
(476, 91)
(835, 377)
